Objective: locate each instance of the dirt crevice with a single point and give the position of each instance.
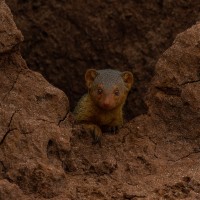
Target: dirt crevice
(12, 87)
(186, 156)
(9, 128)
(191, 82)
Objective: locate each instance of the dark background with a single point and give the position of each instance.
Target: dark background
(63, 38)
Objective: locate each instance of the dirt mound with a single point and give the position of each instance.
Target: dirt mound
(33, 119)
(155, 156)
(64, 38)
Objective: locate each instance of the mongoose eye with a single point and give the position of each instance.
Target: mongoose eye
(100, 91)
(116, 92)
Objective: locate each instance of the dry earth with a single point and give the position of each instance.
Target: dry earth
(154, 156)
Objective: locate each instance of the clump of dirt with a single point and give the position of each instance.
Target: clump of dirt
(64, 38)
(154, 156)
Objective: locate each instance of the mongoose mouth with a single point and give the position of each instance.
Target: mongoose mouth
(107, 106)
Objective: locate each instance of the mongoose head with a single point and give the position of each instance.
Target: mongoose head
(108, 88)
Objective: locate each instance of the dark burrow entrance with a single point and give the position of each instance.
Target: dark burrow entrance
(64, 38)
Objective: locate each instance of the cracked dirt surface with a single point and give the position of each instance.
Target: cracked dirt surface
(154, 156)
(32, 113)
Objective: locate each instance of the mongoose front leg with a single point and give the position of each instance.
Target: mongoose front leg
(114, 125)
(95, 131)
(97, 135)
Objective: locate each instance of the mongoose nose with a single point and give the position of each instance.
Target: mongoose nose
(106, 104)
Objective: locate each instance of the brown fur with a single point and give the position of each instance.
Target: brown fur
(102, 105)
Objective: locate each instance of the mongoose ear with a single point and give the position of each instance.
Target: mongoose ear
(128, 79)
(90, 75)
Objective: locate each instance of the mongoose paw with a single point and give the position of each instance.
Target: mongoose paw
(97, 135)
(110, 129)
(113, 129)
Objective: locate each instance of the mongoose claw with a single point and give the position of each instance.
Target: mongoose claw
(96, 134)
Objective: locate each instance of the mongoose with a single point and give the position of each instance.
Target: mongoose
(102, 106)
